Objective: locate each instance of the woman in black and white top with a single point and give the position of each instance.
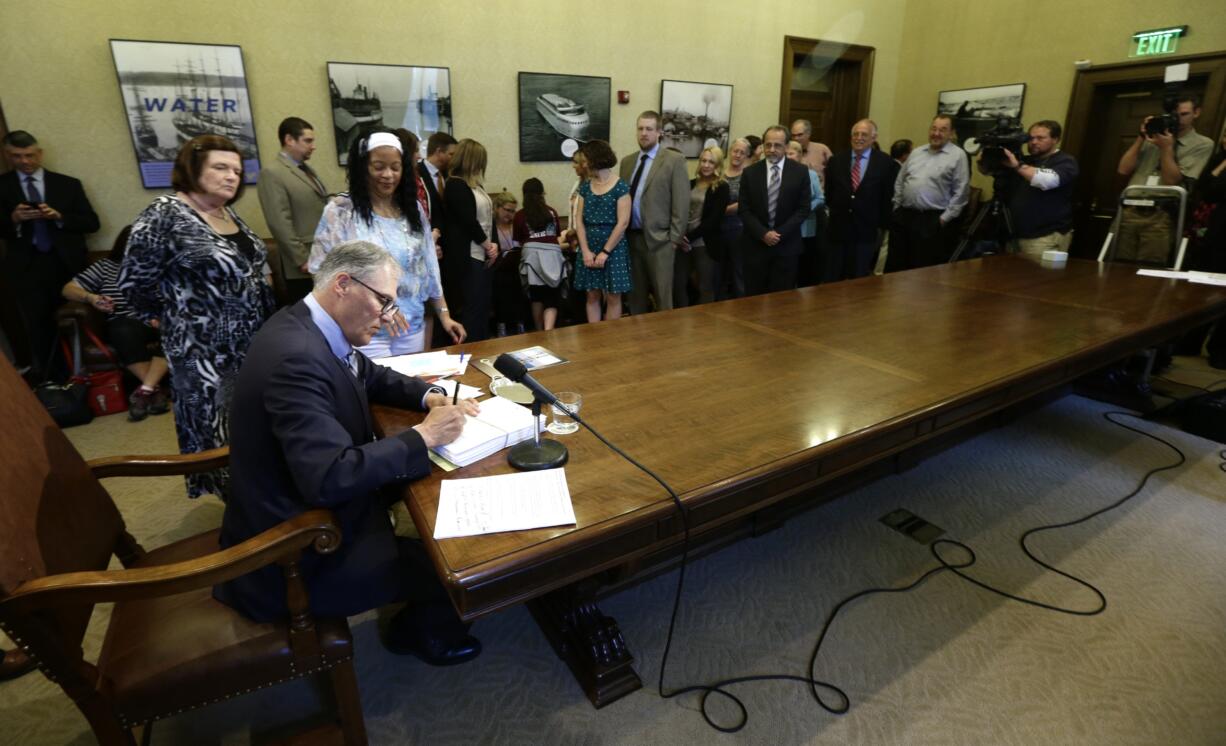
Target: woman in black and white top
(137, 343)
(199, 271)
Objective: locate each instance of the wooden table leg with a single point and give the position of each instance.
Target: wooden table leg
(590, 642)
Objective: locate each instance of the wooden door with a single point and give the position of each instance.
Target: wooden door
(1118, 111)
(827, 83)
(1105, 110)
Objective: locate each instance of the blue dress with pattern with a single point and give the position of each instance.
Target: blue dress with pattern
(599, 219)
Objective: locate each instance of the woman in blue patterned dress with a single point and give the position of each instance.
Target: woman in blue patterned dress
(602, 213)
(382, 207)
(198, 270)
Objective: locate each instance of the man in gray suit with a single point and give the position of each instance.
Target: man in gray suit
(292, 198)
(659, 211)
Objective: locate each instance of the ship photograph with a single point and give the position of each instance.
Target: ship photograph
(366, 96)
(173, 92)
(557, 113)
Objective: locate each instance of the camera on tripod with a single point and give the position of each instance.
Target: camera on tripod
(1006, 135)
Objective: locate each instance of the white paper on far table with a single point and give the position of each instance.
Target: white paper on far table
(507, 502)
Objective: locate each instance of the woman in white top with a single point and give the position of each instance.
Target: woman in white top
(381, 207)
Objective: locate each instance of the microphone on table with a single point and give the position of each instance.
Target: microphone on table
(538, 453)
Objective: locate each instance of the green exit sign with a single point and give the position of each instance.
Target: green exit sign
(1157, 41)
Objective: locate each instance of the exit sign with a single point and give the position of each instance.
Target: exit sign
(1157, 41)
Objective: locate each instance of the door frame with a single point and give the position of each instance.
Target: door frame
(856, 53)
(1085, 85)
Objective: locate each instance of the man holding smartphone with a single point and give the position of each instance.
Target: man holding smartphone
(44, 218)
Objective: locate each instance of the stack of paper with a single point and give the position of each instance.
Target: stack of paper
(428, 365)
(500, 424)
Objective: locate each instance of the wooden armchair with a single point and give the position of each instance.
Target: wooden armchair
(170, 646)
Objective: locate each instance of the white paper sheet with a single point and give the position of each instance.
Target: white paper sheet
(466, 391)
(427, 364)
(508, 502)
(1168, 273)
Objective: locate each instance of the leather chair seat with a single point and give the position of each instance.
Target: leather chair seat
(154, 647)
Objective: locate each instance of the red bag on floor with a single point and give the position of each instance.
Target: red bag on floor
(105, 387)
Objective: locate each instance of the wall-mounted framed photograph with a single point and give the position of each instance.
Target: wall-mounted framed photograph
(366, 96)
(695, 115)
(175, 91)
(558, 113)
(977, 110)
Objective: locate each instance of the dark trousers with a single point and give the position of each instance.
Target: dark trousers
(134, 340)
(856, 259)
(767, 272)
(917, 239)
(36, 294)
(510, 303)
(478, 297)
(729, 279)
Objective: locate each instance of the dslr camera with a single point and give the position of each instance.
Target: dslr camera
(1168, 120)
(1006, 135)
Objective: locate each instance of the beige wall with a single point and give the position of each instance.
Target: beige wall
(971, 43)
(70, 99)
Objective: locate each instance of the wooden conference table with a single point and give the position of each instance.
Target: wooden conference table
(749, 405)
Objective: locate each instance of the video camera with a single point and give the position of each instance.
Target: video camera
(1006, 135)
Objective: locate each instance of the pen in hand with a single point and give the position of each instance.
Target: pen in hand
(455, 396)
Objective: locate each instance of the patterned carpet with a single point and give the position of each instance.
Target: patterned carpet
(946, 664)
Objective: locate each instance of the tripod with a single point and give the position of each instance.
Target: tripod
(1000, 217)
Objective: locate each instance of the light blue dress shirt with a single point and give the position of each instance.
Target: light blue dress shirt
(636, 219)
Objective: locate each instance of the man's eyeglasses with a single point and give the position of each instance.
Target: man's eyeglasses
(389, 304)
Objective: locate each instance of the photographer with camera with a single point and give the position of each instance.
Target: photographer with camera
(1037, 188)
(1167, 151)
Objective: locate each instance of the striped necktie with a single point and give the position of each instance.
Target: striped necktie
(855, 173)
(772, 193)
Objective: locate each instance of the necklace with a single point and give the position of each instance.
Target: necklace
(219, 212)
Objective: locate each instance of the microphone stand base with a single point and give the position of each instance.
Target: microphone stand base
(530, 456)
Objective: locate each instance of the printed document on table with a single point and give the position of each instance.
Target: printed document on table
(508, 502)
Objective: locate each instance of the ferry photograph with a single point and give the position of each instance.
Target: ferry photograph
(367, 96)
(558, 113)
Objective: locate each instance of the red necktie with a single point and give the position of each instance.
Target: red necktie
(855, 173)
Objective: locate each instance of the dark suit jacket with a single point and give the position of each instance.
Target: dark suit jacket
(438, 214)
(63, 193)
(301, 437)
(790, 212)
(710, 228)
(856, 217)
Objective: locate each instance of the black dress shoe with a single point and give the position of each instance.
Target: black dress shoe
(14, 663)
(434, 651)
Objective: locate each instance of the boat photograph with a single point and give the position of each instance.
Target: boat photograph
(557, 113)
(176, 91)
(568, 118)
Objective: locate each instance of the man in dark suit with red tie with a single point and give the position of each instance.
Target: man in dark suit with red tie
(774, 202)
(860, 195)
(44, 218)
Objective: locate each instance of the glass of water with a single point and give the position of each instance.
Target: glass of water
(563, 423)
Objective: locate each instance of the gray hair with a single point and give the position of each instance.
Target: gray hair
(741, 141)
(358, 259)
(805, 123)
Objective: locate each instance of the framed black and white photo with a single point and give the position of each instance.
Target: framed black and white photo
(695, 115)
(977, 110)
(368, 96)
(558, 113)
(175, 91)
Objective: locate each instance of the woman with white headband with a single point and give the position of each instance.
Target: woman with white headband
(381, 207)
